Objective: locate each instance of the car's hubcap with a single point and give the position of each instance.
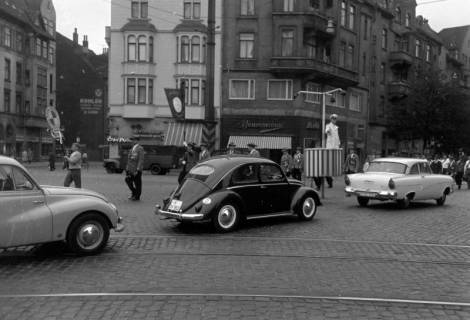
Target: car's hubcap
(308, 207)
(90, 236)
(227, 216)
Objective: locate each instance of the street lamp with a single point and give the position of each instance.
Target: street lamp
(323, 94)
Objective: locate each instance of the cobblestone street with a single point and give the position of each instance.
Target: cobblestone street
(348, 263)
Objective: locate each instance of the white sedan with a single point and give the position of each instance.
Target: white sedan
(398, 179)
(33, 214)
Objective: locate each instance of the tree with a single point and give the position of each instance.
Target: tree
(436, 112)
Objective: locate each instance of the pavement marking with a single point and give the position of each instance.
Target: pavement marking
(231, 295)
(212, 237)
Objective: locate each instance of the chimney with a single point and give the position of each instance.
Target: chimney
(75, 36)
(85, 42)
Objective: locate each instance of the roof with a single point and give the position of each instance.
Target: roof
(139, 25)
(407, 161)
(454, 36)
(190, 26)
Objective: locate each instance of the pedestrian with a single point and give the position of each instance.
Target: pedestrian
(252, 150)
(65, 164)
(351, 165)
(231, 149)
(74, 167)
(85, 160)
(30, 155)
(190, 159)
(134, 167)
(51, 161)
(436, 165)
(445, 164)
(459, 169)
(332, 140)
(204, 154)
(287, 163)
(24, 156)
(298, 167)
(466, 172)
(451, 168)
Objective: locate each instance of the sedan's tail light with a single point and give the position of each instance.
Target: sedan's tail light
(347, 181)
(391, 184)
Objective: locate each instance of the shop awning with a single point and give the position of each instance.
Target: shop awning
(179, 131)
(262, 142)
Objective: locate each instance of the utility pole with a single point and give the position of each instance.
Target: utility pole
(209, 127)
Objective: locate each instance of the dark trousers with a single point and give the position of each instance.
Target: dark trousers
(51, 165)
(297, 174)
(74, 175)
(319, 181)
(134, 182)
(458, 179)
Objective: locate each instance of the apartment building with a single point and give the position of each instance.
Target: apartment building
(457, 54)
(156, 45)
(27, 75)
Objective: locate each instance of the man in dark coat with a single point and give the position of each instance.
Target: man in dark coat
(134, 167)
(190, 158)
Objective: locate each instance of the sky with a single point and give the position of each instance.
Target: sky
(91, 16)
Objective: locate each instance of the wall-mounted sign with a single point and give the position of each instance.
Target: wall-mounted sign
(254, 124)
(112, 139)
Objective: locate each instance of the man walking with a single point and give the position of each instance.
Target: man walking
(190, 159)
(74, 170)
(231, 149)
(332, 140)
(298, 164)
(252, 150)
(204, 154)
(286, 162)
(134, 167)
(52, 161)
(351, 165)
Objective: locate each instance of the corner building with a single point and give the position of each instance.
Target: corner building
(27, 76)
(156, 45)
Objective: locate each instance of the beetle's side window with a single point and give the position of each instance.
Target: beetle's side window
(270, 173)
(246, 174)
(6, 180)
(414, 169)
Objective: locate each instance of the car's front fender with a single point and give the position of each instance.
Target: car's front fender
(301, 194)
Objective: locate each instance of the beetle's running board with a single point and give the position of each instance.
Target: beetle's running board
(271, 215)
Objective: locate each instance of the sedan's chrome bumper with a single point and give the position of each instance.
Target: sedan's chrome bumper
(179, 216)
(379, 195)
(119, 226)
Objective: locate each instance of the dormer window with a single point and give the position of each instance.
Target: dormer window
(192, 9)
(139, 9)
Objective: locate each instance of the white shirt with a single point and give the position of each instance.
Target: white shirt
(332, 136)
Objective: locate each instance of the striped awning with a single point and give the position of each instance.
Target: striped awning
(262, 142)
(178, 132)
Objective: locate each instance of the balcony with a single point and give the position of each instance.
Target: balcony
(398, 89)
(453, 57)
(320, 70)
(400, 58)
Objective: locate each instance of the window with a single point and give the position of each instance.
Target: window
(144, 8)
(142, 48)
(428, 53)
(366, 27)
(279, 89)
(242, 89)
(41, 90)
(343, 13)
(364, 63)
(414, 169)
(150, 91)
(310, 45)
(139, 9)
(373, 63)
(150, 49)
(382, 73)
(134, 9)
(342, 54)
(44, 49)
(19, 41)
(270, 173)
(7, 70)
(360, 131)
(27, 107)
(6, 100)
(19, 73)
(312, 97)
(38, 47)
(184, 49)
(51, 83)
(192, 9)
(352, 16)
(51, 55)
(288, 5)
(245, 175)
(384, 39)
(398, 15)
(131, 91)
(247, 43)
(247, 7)
(142, 92)
(314, 4)
(355, 102)
(195, 92)
(407, 20)
(287, 43)
(418, 48)
(195, 49)
(349, 57)
(131, 48)
(7, 36)
(19, 102)
(203, 92)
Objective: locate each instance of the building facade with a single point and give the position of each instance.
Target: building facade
(155, 46)
(27, 76)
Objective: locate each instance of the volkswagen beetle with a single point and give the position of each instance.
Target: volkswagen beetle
(32, 214)
(398, 179)
(225, 190)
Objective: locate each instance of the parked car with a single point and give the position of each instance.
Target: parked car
(398, 179)
(226, 190)
(32, 213)
(158, 159)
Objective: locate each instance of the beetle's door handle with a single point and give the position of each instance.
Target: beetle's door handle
(38, 202)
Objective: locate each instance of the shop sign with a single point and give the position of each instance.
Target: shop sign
(253, 124)
(149, 135)
(91, 105)
(112, 139)
(313, 124)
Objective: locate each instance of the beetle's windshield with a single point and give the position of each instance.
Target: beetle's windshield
(385, 166)
(200, 173)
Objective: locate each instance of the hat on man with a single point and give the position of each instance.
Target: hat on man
(251, 144)
(285, 149)
(334, 116)
(299, 148)
(231, 144)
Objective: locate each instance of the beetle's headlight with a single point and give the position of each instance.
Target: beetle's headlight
(206, 201)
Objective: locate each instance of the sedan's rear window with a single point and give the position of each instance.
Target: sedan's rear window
(385, 166)
(201, 173)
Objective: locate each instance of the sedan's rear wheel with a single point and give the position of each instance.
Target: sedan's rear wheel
(307, 209)
(363, 201)
(227, 218)
(442, 199)
(88, 234)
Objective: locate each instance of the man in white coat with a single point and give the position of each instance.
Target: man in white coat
(332, 140)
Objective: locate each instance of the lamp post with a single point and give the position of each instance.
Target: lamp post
(323, 104)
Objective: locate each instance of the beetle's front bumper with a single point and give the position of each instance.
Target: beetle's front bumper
(178, 215)
(371, 194)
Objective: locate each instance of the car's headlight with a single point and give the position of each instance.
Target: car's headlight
(206, 201)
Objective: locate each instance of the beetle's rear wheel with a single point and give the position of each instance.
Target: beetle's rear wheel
(227, 218)
(307, 209)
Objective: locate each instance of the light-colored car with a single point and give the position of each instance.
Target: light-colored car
(31, 213)
(398, 179)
